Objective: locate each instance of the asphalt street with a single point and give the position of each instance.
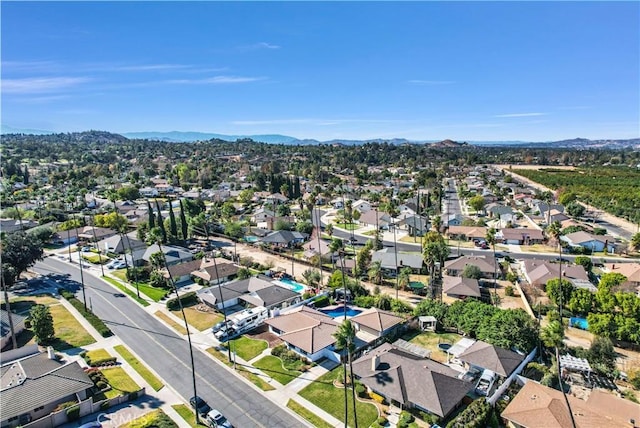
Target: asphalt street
(168, 354)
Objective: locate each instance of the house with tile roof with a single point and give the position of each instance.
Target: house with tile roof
(538, 406)
(467, 233)
(411, 381)
(520, 236)
(32, 387)
(590, 241)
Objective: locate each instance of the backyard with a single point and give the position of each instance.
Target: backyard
(431, 340)
(328, 397)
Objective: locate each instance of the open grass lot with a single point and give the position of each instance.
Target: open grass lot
(142, 370)
(253, 378)
(323, 394)
(69, 332)
(187, 414)
(247, 348)
(156, 418)
(120, 382)
(166, 318)
(199, 319)
(310, 416)
(273, 367)
(430, 341)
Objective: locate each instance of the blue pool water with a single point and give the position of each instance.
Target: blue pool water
(251, 238)
(339, 312)
(580, 323)
(293, 285)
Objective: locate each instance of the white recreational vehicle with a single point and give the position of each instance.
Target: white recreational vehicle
(249, 318)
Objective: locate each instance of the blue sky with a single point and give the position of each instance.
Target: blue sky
(419, 70)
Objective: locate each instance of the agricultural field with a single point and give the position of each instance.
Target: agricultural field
(615, 190)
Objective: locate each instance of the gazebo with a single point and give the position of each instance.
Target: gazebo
(428, 323)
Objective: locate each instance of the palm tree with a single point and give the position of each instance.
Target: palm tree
(345, 339)
(554, 230)
(329, 229)
(490, 237)
(552, 335)
(404, 278)
(435, 251)
(375, 272)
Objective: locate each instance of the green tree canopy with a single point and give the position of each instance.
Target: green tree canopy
(471, 271)
(557, 292)
(510, 328)
(19, 251)
(42, 324)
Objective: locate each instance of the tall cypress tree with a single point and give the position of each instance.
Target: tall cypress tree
(161, 223)
(183, 222)
(152, 218)
(172, 221)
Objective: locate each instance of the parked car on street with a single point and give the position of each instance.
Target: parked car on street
(216, 420)
(200, 405)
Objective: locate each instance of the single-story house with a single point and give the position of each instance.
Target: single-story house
(459, 287)
(361, 205)
(32, 387)
(410, 381)
(216, 272)
(95, 234)
(5, 330)
(387, 258)
(520, 236)
(465, 233)
(416, 225)
(537, 405)
(229, 294)
(182, 272)
(596, 243)
(630, 270)
(375, 218)
(485, 356)
(307, 332)
(377, 322)
(284, 238)
(454, 220)
(273, 296)
(174, 254)
(538, 272)
(486, 264)
(120, 244)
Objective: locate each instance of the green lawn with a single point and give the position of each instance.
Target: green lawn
(187, 414)
(126, 290)
(120, 382)
(272, 366)
(142, 370)
(347, 226)
(69, 332)
(253, 378)
(246, 348)
(155, 294)
(156, 418)
(98, 354)
(430, 340)
(323, 394)
(198, 319)
(310, 416)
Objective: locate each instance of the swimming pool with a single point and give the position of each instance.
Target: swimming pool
(338, 312)
(580, 323)
(292, 285)
(251, 239)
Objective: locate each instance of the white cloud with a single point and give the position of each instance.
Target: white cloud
(430, 82)
(34, 85)
(216, 80)
(266, 45)
(520, 115)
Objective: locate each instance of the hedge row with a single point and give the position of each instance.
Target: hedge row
(187, 299)
(89, 316)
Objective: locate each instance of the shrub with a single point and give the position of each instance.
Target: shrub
(381, 421)
(187, 299)
(321, 301)
(508, 291)
(361, 391)
(277, 351)
(377, 398)
(101, 385)
(73, 413)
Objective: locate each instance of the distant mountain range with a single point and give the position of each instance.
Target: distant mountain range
(186, 137)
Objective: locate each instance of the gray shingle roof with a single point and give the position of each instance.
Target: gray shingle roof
(45, 381)
(498, 360)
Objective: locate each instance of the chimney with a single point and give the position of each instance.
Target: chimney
(375, 361)
(50, 353)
